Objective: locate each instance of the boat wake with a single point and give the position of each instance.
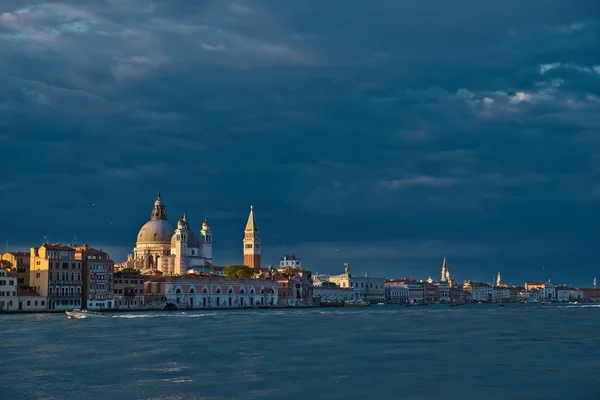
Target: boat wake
(161, 315)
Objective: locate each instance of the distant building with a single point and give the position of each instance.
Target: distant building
(566, 294)
(591, 294)
(547, 290)
(8, 290)
(371, 289)
(17, 261)
(55, 273)
(332, 293)
(430, 292)
(294, 286)
(479, 291)
(396, 292)
(290, 261)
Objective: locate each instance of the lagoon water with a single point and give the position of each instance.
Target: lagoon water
(381, 352)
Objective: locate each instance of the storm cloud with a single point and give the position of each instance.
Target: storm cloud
(384, 134)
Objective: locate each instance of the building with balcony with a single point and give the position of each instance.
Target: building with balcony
(55, 273)
(97, 285)
(128, 292)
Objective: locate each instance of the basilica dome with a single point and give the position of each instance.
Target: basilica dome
(156, 231)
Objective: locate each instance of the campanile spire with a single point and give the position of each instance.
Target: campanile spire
(252, 242)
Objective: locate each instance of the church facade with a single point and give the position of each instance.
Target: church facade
(172, 250)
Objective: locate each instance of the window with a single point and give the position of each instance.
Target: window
(28, 302)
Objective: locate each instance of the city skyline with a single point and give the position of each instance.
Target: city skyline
(387, 137)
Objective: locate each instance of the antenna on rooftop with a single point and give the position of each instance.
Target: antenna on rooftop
(75, 240)
(7, 250)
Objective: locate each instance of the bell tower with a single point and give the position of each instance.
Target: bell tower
(252, 242)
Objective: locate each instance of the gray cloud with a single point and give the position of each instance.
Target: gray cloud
(473, 124)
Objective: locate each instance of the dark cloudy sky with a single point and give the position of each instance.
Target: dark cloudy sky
(384, 133)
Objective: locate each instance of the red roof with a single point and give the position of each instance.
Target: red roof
(26, 293)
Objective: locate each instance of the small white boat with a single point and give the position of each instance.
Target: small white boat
(80, 314)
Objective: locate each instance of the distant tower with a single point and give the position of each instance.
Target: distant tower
(206, 234)
(594, 283)
(498, 280)
(179, 246)
(252, 242)
(445, 272)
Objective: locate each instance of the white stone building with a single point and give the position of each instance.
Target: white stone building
(479, 291)
(172, 250)
(372, 289)
(547, 290)
(330, 292)
(396, 292)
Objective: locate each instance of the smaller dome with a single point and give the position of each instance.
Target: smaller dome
(192, 240)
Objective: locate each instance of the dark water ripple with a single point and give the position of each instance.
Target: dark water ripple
(387, 352)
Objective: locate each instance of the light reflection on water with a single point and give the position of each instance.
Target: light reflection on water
(392, 352)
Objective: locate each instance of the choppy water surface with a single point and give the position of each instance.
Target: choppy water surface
(388, 352)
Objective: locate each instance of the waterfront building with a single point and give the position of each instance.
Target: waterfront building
(591, 294)
(129, 291)
(458, 296)
(55, 273)
(8, 290)
(547, 289)
(372, 289)
(479, 291)
(430, 291)
(251, 242)
(331, 293)
(443, 291)
(97, 285)
(565, 294)
(518, 294)
(30, 301)
(17, 261)
(13, 298)
(502, 293)
(294, 286)
(415, 289)
(161, 246)
(191, 292)
(396, 292)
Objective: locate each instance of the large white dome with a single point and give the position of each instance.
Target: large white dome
(157, 231)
